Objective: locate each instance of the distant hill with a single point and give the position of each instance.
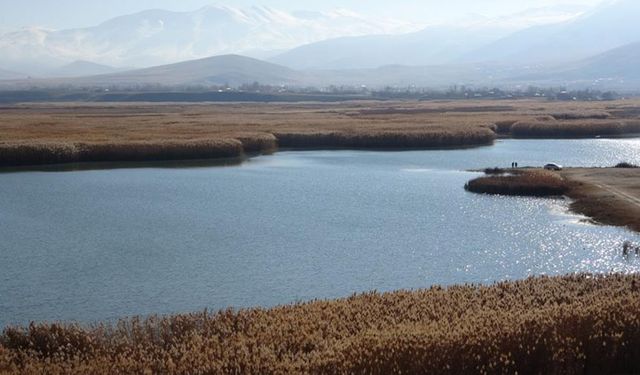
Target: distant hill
(610, 70)
(621, 63)
(82, 68)
(233, 70)
(431, 46)
(154, 37)
(608, 26)
(615, 69)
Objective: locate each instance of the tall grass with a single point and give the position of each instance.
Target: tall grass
(575, 129)
(386, 139)
(581, 115)
(551, 325)
(258, 142)
(48, 134)
(35, 153)
(55, 153)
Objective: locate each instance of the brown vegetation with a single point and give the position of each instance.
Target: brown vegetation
(573, 129)
(537, 183)
(581, 115)
(573, 324)
(44, 134)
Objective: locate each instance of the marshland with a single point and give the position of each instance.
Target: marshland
(329, 200)
(33, 134)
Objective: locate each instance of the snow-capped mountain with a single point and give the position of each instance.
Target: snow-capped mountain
(156, 37)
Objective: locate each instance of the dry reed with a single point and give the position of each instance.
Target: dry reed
(551, 325)
(573, 129)
(48, 133)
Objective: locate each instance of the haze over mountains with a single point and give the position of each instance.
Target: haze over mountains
(156, 37)
(608, 26)
(599, 48)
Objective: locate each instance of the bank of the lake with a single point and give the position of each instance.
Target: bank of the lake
(608, 196)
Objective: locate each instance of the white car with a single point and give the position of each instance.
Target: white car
(553, 167)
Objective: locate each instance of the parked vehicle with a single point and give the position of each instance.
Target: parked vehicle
(553, 167)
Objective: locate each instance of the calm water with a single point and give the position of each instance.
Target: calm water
(97, 245)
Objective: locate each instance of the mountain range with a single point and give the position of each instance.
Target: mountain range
(156, 37)
(616, 68)
(597, 48)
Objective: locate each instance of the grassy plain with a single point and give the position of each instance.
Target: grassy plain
(59, 133)
(551, 325)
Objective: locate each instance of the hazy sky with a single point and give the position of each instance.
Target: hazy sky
(78, 13)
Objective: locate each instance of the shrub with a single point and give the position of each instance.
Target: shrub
(626, 165)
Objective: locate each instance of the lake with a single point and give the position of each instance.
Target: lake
(294, 226)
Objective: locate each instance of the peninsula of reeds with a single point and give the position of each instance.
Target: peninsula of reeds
(534, 183)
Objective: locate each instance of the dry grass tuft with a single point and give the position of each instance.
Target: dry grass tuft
(554, 325)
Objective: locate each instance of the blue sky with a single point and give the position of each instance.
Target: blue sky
(78, 13)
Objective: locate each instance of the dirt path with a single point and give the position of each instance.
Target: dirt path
(609, 195)
(623, 195)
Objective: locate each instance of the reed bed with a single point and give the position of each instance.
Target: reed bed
(581, 115)
(537, 183)
(36, 153)
(58, 153)
(573, 129)
(386, 139)
(551, 325)
(51, 133)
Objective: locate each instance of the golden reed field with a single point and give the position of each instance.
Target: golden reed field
(546, 325)
(63, 133)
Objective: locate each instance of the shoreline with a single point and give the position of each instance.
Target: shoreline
(33, 135)
(607, 195)
(244, 155)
